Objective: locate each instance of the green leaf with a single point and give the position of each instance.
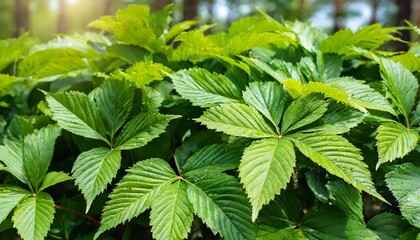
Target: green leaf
(144, 73)
(265, 169)
(134, 193)
(94, 169)
(53, 178)
(205, 89)
(302, 112)
(268, 98)
(18, 128)
(408, 60)
(369, 37)
(33, 216)
(337, 119)
(7, 83)
(12, 156)
(316, 182)
(347, 198)
(12, 49)
(238, 120)
(218, 199)
(114, 99)
(329, 223)
(142, 129)
(403, 181)
(361, 94)
(77, 113)
(216, 157)
(338, 156)
(394, 141)
(38, 150)
(388, 226)
(401, 85)
(171, 216)
(51, 64)
(10, 196)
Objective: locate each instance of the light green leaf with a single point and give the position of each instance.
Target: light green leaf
(238, 120)
(245, 41)
(143, 73)
(388, 226)
(265, 169)
(38, 150)
(114, 99)
(6, 84)
(361, 94)
(309, 36)
(408, 60)
(33, 216)
(403, 181)
(10, 196)
(171, 216)
(401, 85)
(53, 178)
(369, 37)
(347, 198)
(329, 223)
(142, 129)
(134, 193)
(338, 156)
(278, 69)
(205, 89)
(268, 98)
(51, 64)
(394, 141)
(216, 157)
(302, 112)
(13, 48)
(218, 199)
(94, 169)
(178, 28)
(76, 113)
(337, 119)
(12, 156)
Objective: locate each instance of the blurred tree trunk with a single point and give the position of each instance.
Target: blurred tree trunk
(108, 7)
(21, 17)
(160, 4)
(373, 18)
(62, 25)
(301, 10)
(190, 9)
(404, 13)
(339, 14)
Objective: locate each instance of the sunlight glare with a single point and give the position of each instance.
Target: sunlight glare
(71, 2)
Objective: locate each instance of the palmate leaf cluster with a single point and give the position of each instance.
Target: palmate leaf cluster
(268, 130)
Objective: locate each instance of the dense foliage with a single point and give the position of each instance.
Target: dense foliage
(266, 131)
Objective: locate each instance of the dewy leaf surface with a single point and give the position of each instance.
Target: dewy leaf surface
(171, 215)
(33, 216)
(205, 89)
(94, 170)
(77, 113)
(338, 156)
(403, 181)
(218, 199)
(268, 98)
(134, 193)
(238, 120)
(265, 169)
(394, 141)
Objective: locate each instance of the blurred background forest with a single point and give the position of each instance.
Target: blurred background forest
(45, 18)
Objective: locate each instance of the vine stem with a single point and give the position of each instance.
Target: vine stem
(92, 219)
